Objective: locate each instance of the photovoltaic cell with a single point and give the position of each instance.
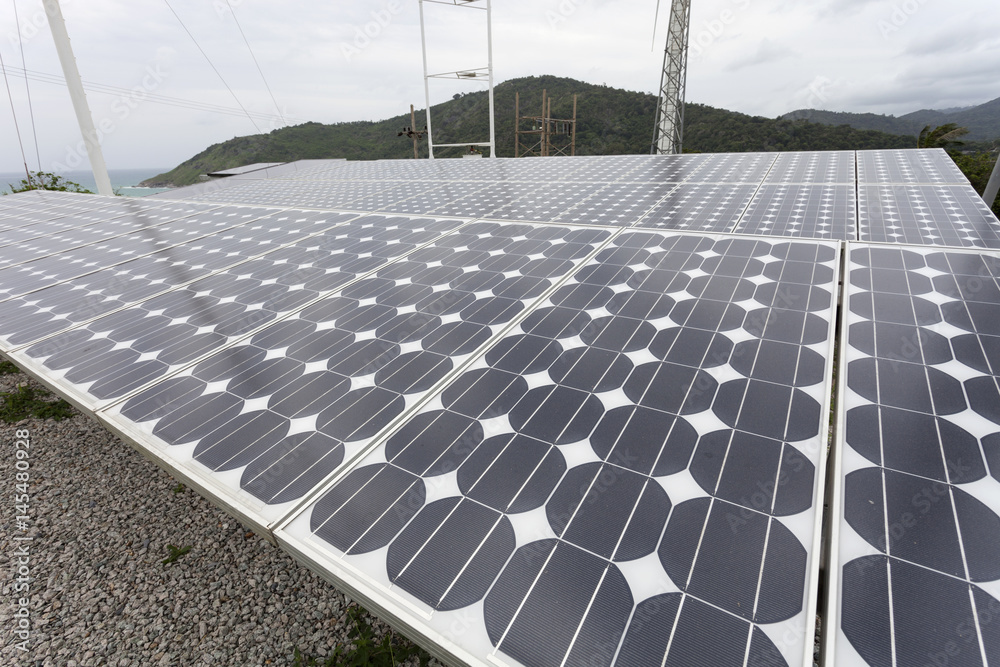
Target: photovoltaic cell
(931, 166)
(825, 167)
(948, 215)
(119, 353)
(628, 476)
(700, 208)
(811, 211)
(210, 237)
(548, 415)
(917, 549)
(49, 310)
(285, 407)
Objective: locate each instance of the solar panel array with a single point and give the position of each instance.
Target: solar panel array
(570, 411)
(918, 539)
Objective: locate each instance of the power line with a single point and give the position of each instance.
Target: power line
(219, 74)
(27, 88)
(154, 98)
(263, 78)
(17, 128)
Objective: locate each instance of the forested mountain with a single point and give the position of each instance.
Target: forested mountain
(611, 122)
(983, 121)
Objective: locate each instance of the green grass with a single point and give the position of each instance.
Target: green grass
(31, 403)
(363, 650)
(7, 368)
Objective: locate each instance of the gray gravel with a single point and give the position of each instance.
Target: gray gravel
(102, 517)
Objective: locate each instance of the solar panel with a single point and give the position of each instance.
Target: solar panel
(627, 476)
(921, 166)
(435, 197)
(28, 275)
(951, 215)
(45, 311)
(323, 381)
(116, 354)
(561, 411)
(828, 167)
(812, 211)
(700, 208)
(618, 204)
(916, 552)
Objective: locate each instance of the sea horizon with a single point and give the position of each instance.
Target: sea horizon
(123, 181)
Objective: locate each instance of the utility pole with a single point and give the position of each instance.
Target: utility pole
(670, 136)
(545, 127)
(59, 35)
(413, 133)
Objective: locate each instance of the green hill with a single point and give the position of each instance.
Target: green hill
(611, 122)
(983, 120)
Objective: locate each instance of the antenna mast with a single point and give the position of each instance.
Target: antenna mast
(671, 105)
(476, 74)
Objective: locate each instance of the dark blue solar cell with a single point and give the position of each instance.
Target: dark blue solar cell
(910, 442)
(451, 553)
(780, 363)
(556, 322)
(770, 410)
(591, 369)
(692, 347)
(413, 372)
(360, 414)
(644, 440)
(434, 443)
(240, 440)
(511, 473)
(557, 415)
(649, 631)
(524, 355)
(546, 592)
(610, 511)
(366, 510)
(292, 467)
(678, 390)
(197, 418)
(484, 392)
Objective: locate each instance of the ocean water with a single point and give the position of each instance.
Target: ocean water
(122, 180)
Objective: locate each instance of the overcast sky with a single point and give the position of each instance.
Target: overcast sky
(762, 57)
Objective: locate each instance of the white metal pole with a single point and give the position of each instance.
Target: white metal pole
(59, 35)
(427, 87)
(489, 29)
(993, 187)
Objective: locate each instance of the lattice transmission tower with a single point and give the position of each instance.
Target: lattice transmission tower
(670, 117)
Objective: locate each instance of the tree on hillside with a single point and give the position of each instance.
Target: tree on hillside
(944, 136)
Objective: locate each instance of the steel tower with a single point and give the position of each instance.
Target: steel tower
(670, 127)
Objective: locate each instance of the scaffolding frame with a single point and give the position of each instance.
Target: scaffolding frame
(473, 74)
(544, 127)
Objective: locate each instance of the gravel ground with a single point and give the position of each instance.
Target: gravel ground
(101, 518)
